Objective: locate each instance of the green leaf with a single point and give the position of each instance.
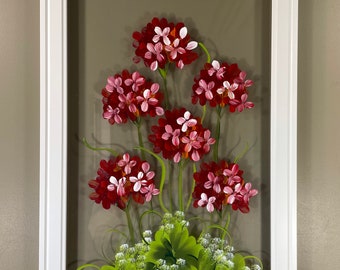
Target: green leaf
(205, 261)
(108, 267)
(222, 267)
(88, 266)
(239, 262)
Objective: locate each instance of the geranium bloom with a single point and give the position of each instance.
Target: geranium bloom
(180, 135)
(128, 96)
(149, 191)
(208, 202)
(120, 178)
(221, 84)
(224, 183)
(161, 42)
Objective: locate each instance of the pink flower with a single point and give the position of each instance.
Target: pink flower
(179, 135)
(208, 202)
(186, 121)
(114, 83)
(243, 104)
(134, 98)
(206, 89)
(173, 134)
(161, 42)
(232, 192)
(213, 182)
(143, 177)
(150, 99)
(216, 67)
(162, 34)
(174, 49)
(113, 113)
(208, 140)
(240, 80)
(126, 163)
(229, 88)
(154, 52)
(113, 186)
(149, 191)
(247, 192)
(232, 174)
(118, 185)
(135, 81)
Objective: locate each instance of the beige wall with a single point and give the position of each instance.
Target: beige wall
(318, 151)
(19, 133)
(318, 135)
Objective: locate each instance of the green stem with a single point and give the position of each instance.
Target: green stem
(170, 169)
(163, 73)
(180, 186)
(204, 113)
(99, 149)
(140, 136)
(217, 134)
(246, 148)
(129, 222)
(226, 225)
(205, 50)
(192, 187)
(254, 258)
(162, 181)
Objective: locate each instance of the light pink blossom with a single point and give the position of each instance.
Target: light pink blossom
(206, 88)
(186, 121)
(149, 191)
(126, 163)
(228, 87)
(209, 202)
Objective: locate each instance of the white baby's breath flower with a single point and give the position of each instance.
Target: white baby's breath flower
(180, 262)
(119, 256)
(124, 247)
(147, 233)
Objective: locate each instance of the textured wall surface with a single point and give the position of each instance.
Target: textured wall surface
(318, 135)
(19, 133)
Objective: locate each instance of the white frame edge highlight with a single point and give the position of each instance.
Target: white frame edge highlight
(53, 134)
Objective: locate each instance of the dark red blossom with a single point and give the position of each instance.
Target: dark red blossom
(180, 135)
(222, 85)
(120, 178)
(130, 95)
(161, 42)
(218, 184)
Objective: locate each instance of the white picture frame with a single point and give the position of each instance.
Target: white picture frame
(53, 134)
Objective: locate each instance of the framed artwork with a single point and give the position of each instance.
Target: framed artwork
(82, 43)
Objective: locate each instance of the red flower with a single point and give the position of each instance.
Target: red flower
(120, 178)
(221, 85)
(180, 135)
(128, 96)
(219, 184)
(161, 42)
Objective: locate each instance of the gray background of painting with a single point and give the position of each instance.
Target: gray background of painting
(100, 45)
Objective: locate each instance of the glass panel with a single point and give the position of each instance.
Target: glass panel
(100, 45)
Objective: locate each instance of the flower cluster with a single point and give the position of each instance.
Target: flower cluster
(128, 96)
(180, 135)
(219, 252)
(161, 42)
(219, 184)
(222, 84)
(120, 178)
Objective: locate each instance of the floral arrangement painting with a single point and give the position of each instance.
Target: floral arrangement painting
(175, 176)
